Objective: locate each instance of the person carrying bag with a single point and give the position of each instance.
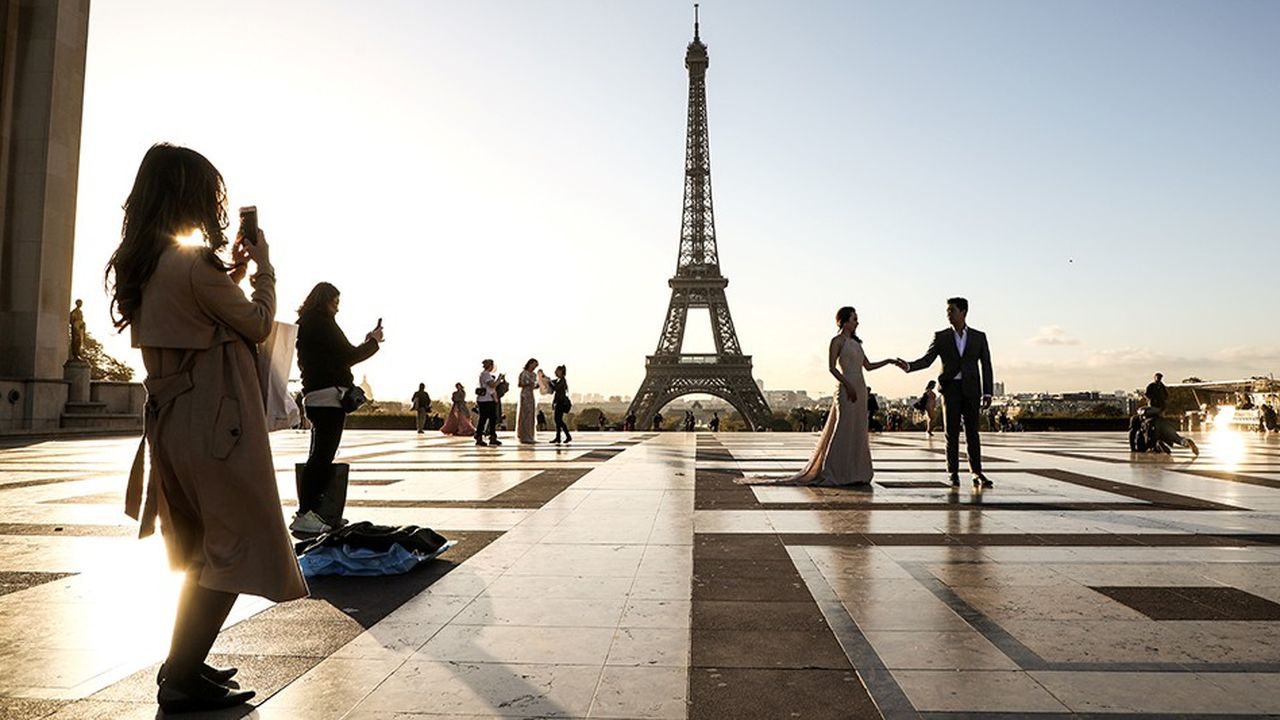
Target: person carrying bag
(325, 357)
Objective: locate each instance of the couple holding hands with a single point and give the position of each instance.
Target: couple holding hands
(843, 454)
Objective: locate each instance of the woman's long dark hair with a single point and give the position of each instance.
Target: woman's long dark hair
(176, 190)
(318, 299)
(842, 317)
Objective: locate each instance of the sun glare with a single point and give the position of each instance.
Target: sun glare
(1228, 444)
(195, 237)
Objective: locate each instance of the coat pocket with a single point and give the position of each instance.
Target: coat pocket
(226, 428)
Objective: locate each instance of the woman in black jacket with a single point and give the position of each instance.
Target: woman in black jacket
(325, 357)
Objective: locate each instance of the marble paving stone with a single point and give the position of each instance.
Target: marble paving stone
(641, 692)
(931, 650)
(488, 689)
(976, 691)
(516, 644)
(731, 693)
(1183, 693)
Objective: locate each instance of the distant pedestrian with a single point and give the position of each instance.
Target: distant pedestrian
(629, 422)
(560, 403)
(601, 421)
(458, 421)
(657, 422)
(421, 403)
(873, 409)
(487, 405)
(1158, 393)
(928, 404)
(527, 410)
(715, 422)
(542, 421)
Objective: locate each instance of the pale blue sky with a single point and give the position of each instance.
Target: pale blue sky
(1100, 175)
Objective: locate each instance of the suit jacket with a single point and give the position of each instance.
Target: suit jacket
(973, 383)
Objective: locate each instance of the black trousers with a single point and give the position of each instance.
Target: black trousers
(326, 433)
(488, 423)
(958, 408)
(560, 425)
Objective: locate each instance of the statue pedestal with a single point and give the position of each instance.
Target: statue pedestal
(78, 373)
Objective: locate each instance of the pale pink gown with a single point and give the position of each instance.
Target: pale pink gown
(843, 454)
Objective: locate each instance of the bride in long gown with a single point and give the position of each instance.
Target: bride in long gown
(843, 454)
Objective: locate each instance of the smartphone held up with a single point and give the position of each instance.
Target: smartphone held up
(249, 224)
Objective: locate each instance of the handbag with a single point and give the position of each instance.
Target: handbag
(352, 399)
(275, 358)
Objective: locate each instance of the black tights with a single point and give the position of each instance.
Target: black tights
(201, 612)
(326, 434)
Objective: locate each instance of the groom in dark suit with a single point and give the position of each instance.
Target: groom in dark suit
(964, 390)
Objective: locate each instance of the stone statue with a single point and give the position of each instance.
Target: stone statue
(77, 331)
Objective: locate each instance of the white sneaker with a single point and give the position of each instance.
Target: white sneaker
(308, 523)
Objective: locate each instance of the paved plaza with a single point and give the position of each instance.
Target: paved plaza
(630, 576)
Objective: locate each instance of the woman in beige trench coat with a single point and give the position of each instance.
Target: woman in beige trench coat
(212, 483)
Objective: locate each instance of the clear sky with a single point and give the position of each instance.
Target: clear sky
(504, 179)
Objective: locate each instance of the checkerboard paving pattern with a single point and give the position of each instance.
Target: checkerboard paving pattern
(630, 575)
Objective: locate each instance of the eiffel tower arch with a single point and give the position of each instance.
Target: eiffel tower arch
(698, 284)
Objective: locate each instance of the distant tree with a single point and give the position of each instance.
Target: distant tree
(590, 417)
(778, 422)
(801, 418)
(1192, 379)
(103, 366)
(1105, 410)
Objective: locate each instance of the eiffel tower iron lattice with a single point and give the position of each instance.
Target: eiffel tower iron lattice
(698, 284)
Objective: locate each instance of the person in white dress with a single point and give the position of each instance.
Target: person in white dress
(842, 457)
(527, 411)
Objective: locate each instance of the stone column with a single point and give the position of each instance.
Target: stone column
(42, 59)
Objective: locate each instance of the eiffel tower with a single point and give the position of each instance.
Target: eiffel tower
(670, 373)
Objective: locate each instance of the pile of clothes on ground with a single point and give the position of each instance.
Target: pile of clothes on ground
(365, 549)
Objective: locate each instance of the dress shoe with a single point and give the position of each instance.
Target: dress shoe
(481, 443)
(1195, 449)
(494, 442)
(955, 479)
(981, 481)
(207, 671)
(198, 694)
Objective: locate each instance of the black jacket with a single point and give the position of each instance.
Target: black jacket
(560, 390)
(1158, 395)
(325, 356)
(972, 382)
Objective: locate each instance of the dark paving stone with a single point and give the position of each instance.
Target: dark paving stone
(824, 539)
(765, 570)
(24, 709)
(800, 649)
(264, 674)
(601, 454)
(15, 581)
(749, 589)
(1159, 498)
(740, 694)
(738, 546)
(1233, 603)
(539, 489)
(929, 484)
(1193, 603)
(729, 615)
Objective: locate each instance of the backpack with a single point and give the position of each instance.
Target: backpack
(502, 387)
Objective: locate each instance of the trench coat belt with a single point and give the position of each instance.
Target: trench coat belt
(160, 392)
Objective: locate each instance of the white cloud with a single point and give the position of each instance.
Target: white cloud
(1053, 335)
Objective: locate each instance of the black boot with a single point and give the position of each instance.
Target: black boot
(198, 694)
